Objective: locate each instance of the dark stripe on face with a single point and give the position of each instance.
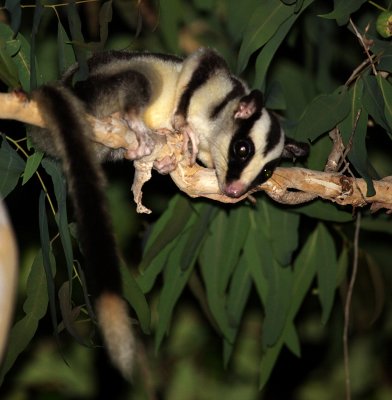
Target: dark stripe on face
(236, 163)
(274, 134)
(237, 91)
(265, 173)
(209, 64)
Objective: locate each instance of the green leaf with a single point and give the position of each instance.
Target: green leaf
(326, 272)
(374, 103)
(136, 299)
(343, 10)
(218, 256)
(386, 90)
(266, 54)
(264, 22)
(54, 170)
(70, 315)
(237, 297)
(326, 211)
(198, 231)
(175, 279)
(32, 165)
(66, 56)
(105, 17)
(169, 226)
(34, 307)
(280, 228)
(15, 10)
(11, 168)
(353, 130)
(75, 28)
(171, 16)
(238, 17)
(49, 266)
(8, 72)
(323, 114)
(305, 267)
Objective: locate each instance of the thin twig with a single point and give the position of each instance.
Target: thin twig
(347, 307)
(364, 45)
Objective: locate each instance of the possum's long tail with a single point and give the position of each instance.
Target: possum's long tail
(69, 133)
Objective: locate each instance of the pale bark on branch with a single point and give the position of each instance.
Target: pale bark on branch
(287, 185)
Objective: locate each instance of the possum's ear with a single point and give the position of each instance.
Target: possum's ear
(249, 104)
(294, 149)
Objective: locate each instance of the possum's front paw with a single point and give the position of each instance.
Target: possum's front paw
(166, 165)
(144, 138)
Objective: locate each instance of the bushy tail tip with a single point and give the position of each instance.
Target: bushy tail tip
(116, 329)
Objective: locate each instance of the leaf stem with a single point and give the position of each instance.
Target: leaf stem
(26, 155)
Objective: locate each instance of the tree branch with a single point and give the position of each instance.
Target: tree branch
(287, 185)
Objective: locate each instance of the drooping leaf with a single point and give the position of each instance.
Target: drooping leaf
(237, 297)
(199, 230)
(78, 43)
(60, 190)
(136, 299)
(326, 272)
(47, 259)
(267, 53)
(34, 307)
(280, 229)
(9, 47)
(38, 12)
(263, 24)
(105, 17)
(11, 168)
(70, 314)
(175, 279)
(32, 164)
(373, 102)
(17, 50)
(217, 258)
(66, 56)
(343, 10)
(15, 10)
(386, 90)
(353, 130)
(323, 114)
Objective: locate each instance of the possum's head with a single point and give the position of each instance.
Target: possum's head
(254, 149)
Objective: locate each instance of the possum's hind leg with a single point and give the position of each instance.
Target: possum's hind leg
(124, 94)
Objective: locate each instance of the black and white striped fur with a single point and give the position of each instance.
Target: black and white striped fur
(227, 125)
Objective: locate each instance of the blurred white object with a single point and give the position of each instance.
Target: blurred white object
(8, 276)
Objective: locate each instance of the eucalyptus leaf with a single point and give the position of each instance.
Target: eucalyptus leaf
(8, 72)
(343, 10)
(34, 307)
(11, 168)
(323, 114)
(237, 297)
(32, 164)
(169, 226)
(136, 299)
(175, 279)
(353, 130)
(374, 103)
(264, 22)
(66, 56)
(49, 266)
(54, 170)
(268, 51)
(15, 10)
(326, 271)
(105, 17)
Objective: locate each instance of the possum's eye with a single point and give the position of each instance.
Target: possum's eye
(242, 150)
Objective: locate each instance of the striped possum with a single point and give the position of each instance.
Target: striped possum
(225, 126)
